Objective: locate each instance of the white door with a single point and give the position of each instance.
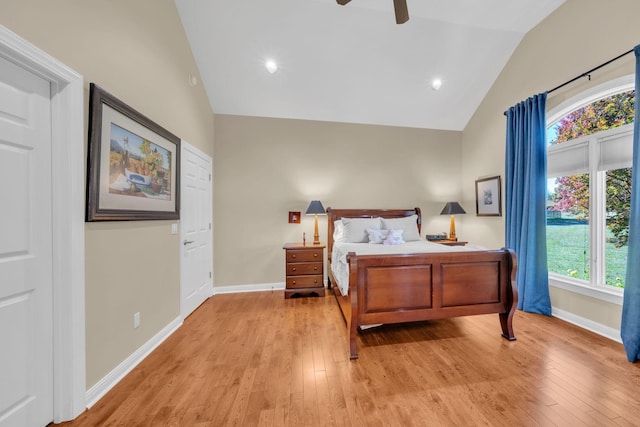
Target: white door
(26, 304)
(196, 267)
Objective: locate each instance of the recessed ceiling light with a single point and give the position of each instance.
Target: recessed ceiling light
(271, 66)
(436, 84)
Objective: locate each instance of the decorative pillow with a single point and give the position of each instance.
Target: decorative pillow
(408, 224)
(394, 237)
(376, 237)
(355, 229)
(338, 231)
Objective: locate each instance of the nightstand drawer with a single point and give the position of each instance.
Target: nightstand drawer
(305, 255)
(303, 268)
(295, 282)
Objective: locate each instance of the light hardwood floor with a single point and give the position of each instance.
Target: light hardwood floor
(257, 359)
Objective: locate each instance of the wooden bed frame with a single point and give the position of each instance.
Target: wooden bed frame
(415, 287)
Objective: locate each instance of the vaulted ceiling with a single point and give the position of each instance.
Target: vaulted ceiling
(353, 63)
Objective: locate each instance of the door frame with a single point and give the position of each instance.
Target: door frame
(184, 145)
(67, 190)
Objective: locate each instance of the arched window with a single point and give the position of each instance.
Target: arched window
(590, 146)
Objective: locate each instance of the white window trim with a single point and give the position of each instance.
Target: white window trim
(569, 284)
(601, 292)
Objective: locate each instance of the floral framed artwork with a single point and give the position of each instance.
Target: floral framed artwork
(133, 164)
(488, 196)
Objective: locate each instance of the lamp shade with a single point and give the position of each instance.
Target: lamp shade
(315, 208)
(452, 208)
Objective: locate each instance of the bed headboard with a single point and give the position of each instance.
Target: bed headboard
(336, 214)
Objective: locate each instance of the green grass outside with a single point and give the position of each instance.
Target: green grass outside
(568, 254)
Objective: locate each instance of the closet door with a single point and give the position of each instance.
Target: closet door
(26, 302)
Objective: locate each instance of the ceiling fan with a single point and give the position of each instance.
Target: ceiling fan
(402, 13)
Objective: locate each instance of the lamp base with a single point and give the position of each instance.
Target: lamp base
(316, 235)
(452, 229)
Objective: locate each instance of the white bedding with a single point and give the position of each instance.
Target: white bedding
(340, 268)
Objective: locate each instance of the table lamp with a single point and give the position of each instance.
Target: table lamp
(452, 208)
(315, 208)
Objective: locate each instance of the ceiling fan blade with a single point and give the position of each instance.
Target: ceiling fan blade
(402, 13)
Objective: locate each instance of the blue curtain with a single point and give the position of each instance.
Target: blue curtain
(526, 196)
(630, 328)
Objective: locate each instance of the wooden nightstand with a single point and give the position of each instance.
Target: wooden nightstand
(450, 242)
(304, 269)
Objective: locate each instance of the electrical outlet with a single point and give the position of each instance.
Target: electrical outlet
(136, 320)
(174, 228)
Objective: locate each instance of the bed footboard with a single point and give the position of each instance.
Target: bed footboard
(414, 287)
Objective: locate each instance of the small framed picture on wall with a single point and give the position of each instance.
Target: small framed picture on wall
(294, 217)
(488, 196)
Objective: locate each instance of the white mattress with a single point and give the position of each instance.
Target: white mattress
(340, 268)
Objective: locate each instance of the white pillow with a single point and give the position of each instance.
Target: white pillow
(393, 237)
(408, 224)
(355, 229)
(338, 231)
(376, 236)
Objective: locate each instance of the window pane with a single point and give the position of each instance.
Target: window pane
(606, 113)
(573, 151)
(552, 133)
(568, 226)
(618, 199)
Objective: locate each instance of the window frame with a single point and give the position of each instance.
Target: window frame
(595, 288)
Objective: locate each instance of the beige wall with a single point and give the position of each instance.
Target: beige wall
(264, 168)
(137, 50)
(580, 35)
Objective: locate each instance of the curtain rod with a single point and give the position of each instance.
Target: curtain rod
(587, 73)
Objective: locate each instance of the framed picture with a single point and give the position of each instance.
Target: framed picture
(488, 197)
(133, 170)
(294, 217)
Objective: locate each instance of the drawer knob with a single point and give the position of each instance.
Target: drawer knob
(294, 282)
(293, 256)
(315, 268)
(293, 269)
(315, 255)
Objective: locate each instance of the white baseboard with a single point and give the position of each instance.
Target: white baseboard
(101, 388)
(590, 325)
(248, 288)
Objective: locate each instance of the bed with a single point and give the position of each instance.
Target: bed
(405, 286)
